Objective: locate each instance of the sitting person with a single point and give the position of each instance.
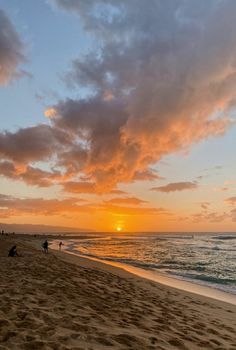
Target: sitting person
(13, 251)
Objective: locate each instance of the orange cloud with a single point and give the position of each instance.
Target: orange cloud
(30, 175)
(230, 201)
(233, 215)
(126, 201)
(176, 186)
(11, 206)
(146, 175)
(230, 182)
(50, 113)
(89, 187)
(221, 189)
(117, 192)
(212, 217)
(136, 211)
(79, 187)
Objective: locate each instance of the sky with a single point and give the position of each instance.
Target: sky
(118, 115)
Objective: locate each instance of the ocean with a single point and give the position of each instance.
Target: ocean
(207, 259)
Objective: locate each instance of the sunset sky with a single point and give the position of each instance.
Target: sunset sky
(118, 114)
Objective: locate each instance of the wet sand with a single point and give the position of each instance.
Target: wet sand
(59, 301)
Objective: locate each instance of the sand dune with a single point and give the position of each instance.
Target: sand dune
(50, 303)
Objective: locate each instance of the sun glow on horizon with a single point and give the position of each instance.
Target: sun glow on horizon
(119, 229)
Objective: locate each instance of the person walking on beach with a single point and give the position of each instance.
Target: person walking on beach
(60, 244)
(13, 251)
(45, 247)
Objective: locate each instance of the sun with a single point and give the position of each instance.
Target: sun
(119, 229)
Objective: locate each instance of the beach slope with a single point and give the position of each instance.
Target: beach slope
(48, 301)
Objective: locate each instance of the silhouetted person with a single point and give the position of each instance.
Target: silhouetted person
(2, 232)
(45, 246)
(60, 244)
(13, 251)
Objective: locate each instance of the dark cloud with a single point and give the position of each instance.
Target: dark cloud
(205, 205)
(11, 50)
(32, 144)
(176, 186)
(8, 169)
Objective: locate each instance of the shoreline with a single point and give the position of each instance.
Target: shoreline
(182, 285)
(60, 301)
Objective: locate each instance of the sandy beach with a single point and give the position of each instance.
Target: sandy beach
(57, 301)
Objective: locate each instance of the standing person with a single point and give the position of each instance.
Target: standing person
(60, 244)
(45, 246)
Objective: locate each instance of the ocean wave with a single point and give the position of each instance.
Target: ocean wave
(224, 237)
(205, 278)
